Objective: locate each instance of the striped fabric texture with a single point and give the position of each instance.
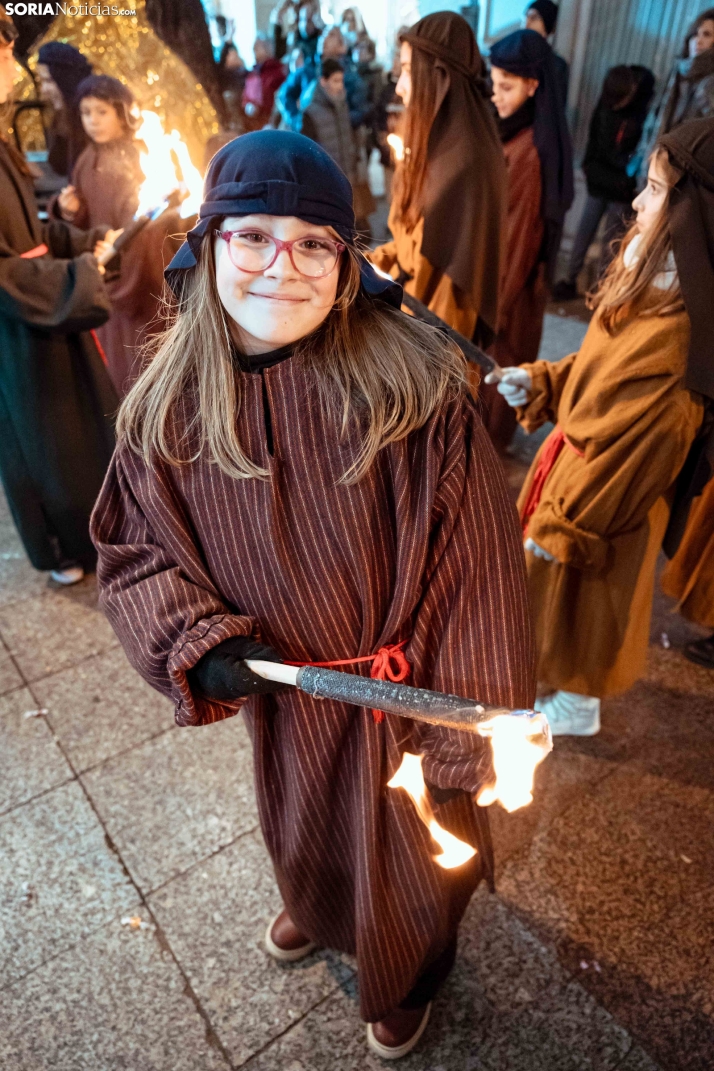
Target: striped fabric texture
(426, 547)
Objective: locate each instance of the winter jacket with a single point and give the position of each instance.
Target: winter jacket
(327, 121)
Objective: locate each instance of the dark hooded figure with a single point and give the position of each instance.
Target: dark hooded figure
(61, 67)
(55, 395)
(301, 475)
(542, 17)
(449, 195)
(105, 191)
(538, 154)
(610, 166)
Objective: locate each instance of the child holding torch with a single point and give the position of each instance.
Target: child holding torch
(628, 406)
(301, 475)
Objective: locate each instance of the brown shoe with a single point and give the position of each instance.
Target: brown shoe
(284, 941)
(398, 1033)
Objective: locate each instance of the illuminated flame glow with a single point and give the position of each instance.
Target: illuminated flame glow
(454, 852)
(396, 143)
(167, 166)
(519, 743)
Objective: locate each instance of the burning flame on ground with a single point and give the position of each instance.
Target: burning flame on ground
(519, 743)
(167, 166)
(454, 852)
(397, 145)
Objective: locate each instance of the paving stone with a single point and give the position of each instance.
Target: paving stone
(661, 986)
(56, 630)
(219, 943)
(607, 882)
(102, 707)
(589, 877)
(18, 579)
(507, 1005)
(30, 761)
(638, 1060)
(176, 799)
(9, 675)
(560, 779)
(115, 1002)
(58, 879)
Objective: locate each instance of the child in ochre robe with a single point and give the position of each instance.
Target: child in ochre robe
(628, 406)
(300, 466)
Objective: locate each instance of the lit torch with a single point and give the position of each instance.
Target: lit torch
(520, 739)
(397, 146)
(170, 180)
(454, 852)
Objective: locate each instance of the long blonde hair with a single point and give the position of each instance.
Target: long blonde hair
(625, 292)
(373, 365)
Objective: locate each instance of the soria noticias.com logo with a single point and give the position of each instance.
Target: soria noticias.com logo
(66, 9)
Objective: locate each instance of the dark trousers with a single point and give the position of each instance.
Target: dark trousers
(616, 214)
(430, 982)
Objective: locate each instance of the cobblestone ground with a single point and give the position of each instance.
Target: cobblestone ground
(596, 953)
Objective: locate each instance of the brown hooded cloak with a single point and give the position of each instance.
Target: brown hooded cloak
(453, 256)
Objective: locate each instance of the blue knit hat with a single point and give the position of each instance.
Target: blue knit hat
(278, 173)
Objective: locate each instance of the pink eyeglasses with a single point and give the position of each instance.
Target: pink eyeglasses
(254, 252)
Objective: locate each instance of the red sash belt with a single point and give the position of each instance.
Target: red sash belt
(38, 251)
(550, 453)
(389, 663)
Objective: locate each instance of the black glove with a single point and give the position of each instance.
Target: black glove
(222, 673)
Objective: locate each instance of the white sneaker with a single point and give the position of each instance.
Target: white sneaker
(570, 714)
(72, 575)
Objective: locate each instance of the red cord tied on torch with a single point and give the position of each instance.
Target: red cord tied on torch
(389, 663)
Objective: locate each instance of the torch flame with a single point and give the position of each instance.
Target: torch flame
(519, 744)
(167, 166)
(454, 852)
(396, 143)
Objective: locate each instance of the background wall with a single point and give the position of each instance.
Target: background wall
(594, 36)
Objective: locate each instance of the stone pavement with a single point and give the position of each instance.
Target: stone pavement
(595, 954)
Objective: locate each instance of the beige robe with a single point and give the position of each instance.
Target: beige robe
(621, 403)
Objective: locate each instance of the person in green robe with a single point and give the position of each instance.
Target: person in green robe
(56, 399)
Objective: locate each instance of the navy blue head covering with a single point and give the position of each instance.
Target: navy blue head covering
(67, 66)
(528, 55)
(277, 173)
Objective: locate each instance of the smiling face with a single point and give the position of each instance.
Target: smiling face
(510, 91)
(650, 203)
(100, 120)
(279, 305)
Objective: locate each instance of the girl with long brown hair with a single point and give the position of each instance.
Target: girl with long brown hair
(302, 475)
(449, 193)
(627, 408)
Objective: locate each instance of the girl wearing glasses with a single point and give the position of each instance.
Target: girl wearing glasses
(301, 475)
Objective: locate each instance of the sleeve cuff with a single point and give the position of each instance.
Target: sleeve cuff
(191, 708)
(565, 540)
(537, 411)
(455, 760)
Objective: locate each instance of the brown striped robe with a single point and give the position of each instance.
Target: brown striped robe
(426, 546)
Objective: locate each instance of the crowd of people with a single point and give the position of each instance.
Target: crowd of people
(304, 472)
